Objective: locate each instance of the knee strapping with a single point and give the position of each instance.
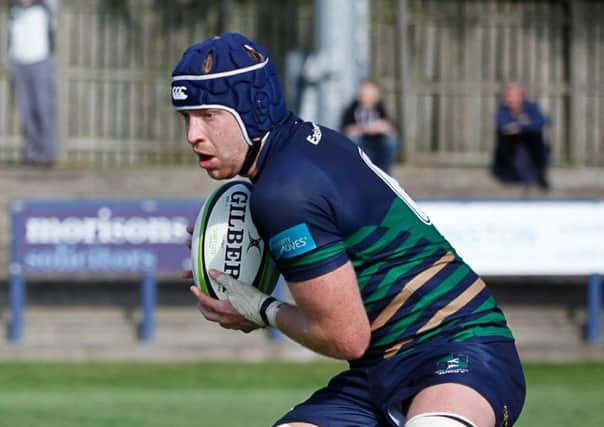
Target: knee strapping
(439, 419)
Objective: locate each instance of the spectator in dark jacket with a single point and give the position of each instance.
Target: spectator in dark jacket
(521, 153)
(366, 123)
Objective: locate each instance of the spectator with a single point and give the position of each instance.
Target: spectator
(30, 47)
(521, 153)
(366, 123)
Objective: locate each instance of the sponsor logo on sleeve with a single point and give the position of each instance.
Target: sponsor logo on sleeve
(292, 242)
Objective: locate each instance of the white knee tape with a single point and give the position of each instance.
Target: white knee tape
(439, 419)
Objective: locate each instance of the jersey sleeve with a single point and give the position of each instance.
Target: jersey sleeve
(296, 219)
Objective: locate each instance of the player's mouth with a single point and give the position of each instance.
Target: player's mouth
(204, 160)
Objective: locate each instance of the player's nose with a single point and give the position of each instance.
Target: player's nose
(196, 131)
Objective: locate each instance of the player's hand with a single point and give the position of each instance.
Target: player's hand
(188, 274)
(190, 231)
(254, 305)
(221, 312)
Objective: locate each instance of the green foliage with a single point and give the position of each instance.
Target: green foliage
(251, 394)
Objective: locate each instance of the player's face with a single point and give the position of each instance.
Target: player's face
(216, 138)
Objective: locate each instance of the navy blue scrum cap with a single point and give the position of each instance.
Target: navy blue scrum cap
(233, 73)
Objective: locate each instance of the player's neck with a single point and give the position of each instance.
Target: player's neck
(253, 169)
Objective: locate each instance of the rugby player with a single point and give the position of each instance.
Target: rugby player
(373, 281)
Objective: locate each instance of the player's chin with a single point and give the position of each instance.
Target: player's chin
(217, 173)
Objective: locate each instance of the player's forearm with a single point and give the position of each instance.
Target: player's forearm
(340, 341)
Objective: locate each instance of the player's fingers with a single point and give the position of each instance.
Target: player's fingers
(207, 310)
(187, 274)
(209, 314)
(203, 299)
(223, 279)
(237, 322)
(229, 282)
(212, 304)
(229, 325)
(190, 229)
(217, 274)
(189, 242)
(248, 329)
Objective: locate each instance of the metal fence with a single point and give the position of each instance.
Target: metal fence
(441, 65)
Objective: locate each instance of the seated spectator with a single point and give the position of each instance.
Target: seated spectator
(366, 123)
(521, 155)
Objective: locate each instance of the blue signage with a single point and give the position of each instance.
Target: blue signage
(103, 236)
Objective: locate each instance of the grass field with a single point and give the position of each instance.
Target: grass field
(236, 394)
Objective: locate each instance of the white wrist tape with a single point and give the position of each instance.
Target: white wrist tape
(251, 303)
(269, 309)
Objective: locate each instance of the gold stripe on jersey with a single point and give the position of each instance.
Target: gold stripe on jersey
(454, 306)
(393, 350)
(409, 289)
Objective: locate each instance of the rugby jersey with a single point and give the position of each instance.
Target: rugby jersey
(319, 202)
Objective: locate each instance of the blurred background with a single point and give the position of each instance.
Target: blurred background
(92, 240)
(441, 66)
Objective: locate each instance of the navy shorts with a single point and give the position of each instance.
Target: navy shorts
(364, 396)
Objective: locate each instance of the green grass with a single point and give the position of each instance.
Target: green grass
(564, 395)
(238, 394)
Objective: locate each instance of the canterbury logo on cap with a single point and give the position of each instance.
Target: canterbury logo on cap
(179, 93)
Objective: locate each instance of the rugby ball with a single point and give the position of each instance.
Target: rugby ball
(226, 239)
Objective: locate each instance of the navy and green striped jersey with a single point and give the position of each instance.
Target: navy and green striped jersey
(319, 202)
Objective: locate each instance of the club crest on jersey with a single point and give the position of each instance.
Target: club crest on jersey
(454, 363)
(292, 242)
